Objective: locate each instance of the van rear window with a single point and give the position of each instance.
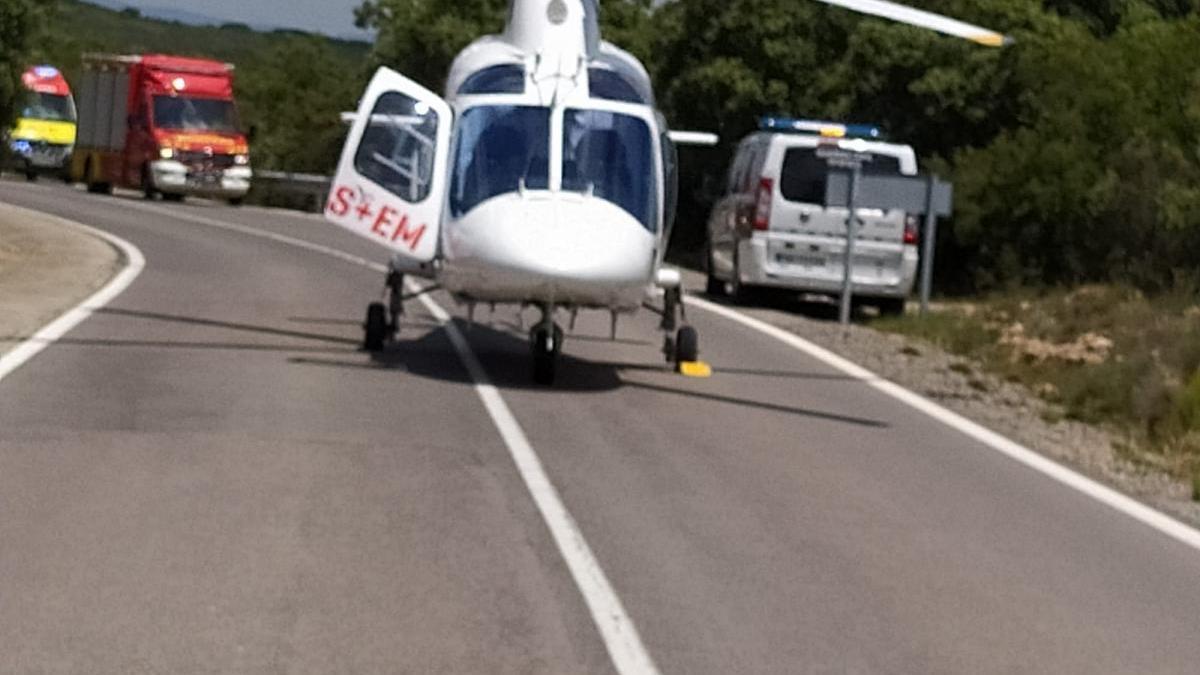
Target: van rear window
(803, 176)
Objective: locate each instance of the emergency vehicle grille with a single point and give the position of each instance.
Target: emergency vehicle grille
(201, 160)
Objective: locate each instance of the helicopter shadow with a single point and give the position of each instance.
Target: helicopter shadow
(505, 358)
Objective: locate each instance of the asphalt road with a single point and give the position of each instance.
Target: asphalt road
(208, 477)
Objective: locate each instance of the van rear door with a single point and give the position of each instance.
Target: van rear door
(803, 174)
(808, 238)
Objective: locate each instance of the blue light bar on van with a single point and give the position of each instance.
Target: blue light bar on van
(826, 129)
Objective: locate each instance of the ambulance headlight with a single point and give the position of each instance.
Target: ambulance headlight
(166, 153)
(241, 160)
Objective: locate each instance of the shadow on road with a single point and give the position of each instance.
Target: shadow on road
(503, 353)
(505, 357)
(246, 327)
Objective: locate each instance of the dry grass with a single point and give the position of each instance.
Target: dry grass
(1101, 354)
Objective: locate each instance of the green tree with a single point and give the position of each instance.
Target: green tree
(293, 97)
(1098, 181)
(22, 25)
(422, 37)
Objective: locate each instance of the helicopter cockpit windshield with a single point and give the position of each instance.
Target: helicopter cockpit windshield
(503, 149)
(611, 155)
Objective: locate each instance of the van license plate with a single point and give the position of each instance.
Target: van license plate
(803, 260)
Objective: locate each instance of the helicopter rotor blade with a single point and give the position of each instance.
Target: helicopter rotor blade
(923, 19)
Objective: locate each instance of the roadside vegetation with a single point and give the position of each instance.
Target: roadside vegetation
(1102, 354)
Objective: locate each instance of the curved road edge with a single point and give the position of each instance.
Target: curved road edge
(134, 263)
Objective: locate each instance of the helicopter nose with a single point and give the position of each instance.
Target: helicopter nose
(548, 237)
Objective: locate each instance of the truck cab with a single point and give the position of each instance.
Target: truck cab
(44, 135)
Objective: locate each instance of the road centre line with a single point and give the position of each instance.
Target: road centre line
(1165, 524)
(621, 638)
(134, 263)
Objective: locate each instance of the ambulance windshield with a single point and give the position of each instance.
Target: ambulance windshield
(49, 107)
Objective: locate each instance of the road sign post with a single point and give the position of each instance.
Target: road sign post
(928, 245)
(912, 194)
(848, 160)
(847, 303)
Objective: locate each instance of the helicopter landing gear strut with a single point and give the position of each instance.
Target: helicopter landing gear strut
(383, 318)
(681, 343)
(545, 341)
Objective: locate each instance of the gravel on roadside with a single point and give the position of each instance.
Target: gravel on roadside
(47, 266)
(1006, 408)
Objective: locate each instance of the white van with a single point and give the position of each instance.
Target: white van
(770, 229)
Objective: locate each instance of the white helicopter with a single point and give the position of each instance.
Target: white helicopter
(545, 177)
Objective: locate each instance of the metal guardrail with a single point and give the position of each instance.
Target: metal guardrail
(312, 189)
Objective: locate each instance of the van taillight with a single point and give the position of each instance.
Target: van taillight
(912, 232)
(762, 209)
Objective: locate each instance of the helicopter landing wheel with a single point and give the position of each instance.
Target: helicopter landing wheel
(546, 343)
(687, 345)
(375, 328)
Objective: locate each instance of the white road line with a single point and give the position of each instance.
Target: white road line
(255, 232)
(55, 330)
(621, 639)
(1102, 493)
(620, 635)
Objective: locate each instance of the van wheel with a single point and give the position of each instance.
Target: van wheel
(714, 287)
(740, 293)
(172, 197)
(891, 307)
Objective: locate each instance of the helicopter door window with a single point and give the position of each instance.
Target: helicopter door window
(611, 156)
(501, 149)
(397, 147)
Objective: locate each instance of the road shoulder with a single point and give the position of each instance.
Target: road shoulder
(47, 266)
(1003, 407)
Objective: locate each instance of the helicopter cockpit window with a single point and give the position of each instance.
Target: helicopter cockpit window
(611, 156)
(508, 78)
(610, 85)
(397, 148)
(501, 149)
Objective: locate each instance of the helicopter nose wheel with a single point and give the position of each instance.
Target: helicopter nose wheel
(383, 320)
(545, 341)
(375, 328)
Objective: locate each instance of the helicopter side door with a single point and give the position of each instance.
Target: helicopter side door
(390, 185)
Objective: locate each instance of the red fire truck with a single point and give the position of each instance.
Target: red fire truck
(166, 125)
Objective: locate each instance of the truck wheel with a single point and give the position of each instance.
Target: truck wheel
(148, 190)
(95, 186)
